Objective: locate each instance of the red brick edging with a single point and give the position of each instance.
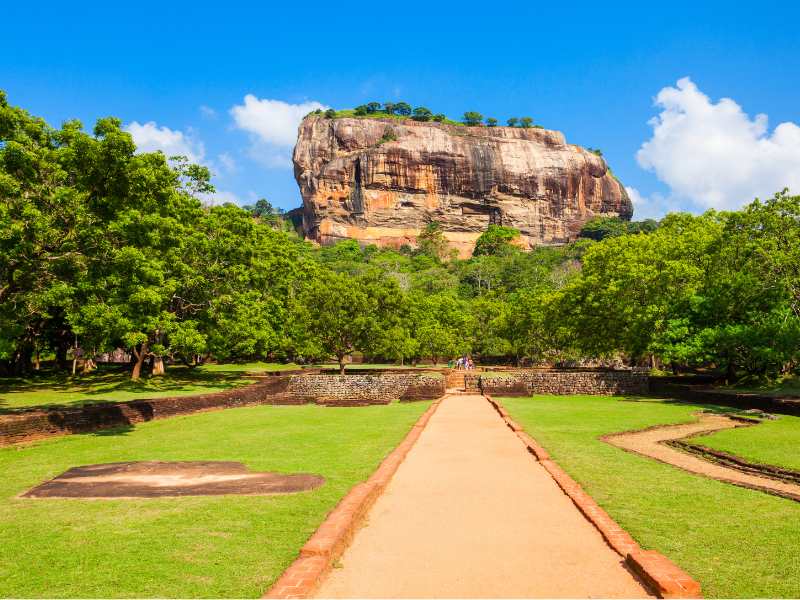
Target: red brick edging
(660, 574)
(302, 578)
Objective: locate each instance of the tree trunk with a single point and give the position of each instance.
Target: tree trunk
(37, 362)
(137, 366)
(341, 364)
(730, 373)
(158, 365)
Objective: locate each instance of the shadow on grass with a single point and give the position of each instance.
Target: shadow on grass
(710, 408)
(109, 381)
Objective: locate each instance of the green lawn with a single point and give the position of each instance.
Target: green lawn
(225, 546)
(249, 367)
(788, 386)
(736, 542)
(770, 443)
(112, 384)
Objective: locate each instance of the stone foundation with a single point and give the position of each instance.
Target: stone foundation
(552, 382)
(363, 389)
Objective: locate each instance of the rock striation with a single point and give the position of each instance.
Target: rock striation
(380, 181)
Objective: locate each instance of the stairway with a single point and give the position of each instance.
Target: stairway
(459, 381)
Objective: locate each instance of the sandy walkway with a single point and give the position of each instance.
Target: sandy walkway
(649, 442)
(470, 514)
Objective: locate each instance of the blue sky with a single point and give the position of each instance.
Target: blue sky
(591, 70)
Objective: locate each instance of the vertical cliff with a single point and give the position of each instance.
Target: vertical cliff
(381, 180)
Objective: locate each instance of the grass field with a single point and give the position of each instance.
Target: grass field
(736, 542)
(225, 546)
(788, 386)
(770, 443)
(111, 385)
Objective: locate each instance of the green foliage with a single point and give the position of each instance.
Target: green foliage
(491, 122)
(599, 228)
(422, 114)
(526, 122)
(330, 113)
(496, 240)
(472, 118)
(104, 247)
(402, 108)
(512, 122)
(431, 241)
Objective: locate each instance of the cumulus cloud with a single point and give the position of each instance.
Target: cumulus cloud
(219, 198)
(227, 162)
(149, 137)
(272, 125)
(208, 112)
(713, 155)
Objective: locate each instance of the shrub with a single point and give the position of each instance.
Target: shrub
(422, 114)
(472, 118)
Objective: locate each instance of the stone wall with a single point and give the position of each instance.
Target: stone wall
(363, 389)
(525, 383)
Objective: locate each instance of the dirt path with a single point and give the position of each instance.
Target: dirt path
(650, 442)
(470, 514)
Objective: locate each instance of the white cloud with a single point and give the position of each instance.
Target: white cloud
(219, 197)
(653, 206)
(228, 163)
(149, 137)
(208, 112)
(714, 155)
(272, 125)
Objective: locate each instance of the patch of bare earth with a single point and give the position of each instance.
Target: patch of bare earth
(655, 443)
(154, 479)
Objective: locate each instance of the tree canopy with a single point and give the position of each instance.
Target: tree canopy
(104, 247)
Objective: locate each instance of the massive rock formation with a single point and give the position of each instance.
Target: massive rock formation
(381, 180)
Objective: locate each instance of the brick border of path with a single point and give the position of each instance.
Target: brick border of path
(661, 575)
(302, 578)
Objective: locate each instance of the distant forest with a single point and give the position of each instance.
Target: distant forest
(102, 247)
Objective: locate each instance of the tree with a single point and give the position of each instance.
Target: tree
(360, 110)
(496, 240)
(330, 113)
(441, 325)
(439, 117)
(431, 241)
(373, 107)
(512, 122)
(526, 122)
(340, 316)
(472, 118)
(491, 122)
(45, 228)
(388, 108)
(599, 228)
(422, 114)
(402, 108)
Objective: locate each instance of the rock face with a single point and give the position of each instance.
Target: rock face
(379, 181)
